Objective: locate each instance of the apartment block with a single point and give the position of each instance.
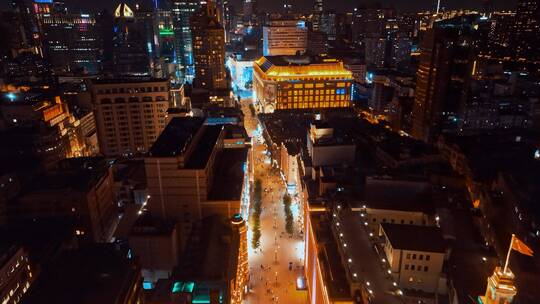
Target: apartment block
(130, 113)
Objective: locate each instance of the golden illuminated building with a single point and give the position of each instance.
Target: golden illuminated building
(500, 288)
(301, 82)
(49, 114)
(238, 286)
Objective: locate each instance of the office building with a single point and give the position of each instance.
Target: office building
(96, 274)
(78, 188)
(357, 68)
(328, 148)
(191, 175)
(208, 48)
(155, 243)
(130, 114)
(395, 202)
(328, 24)
(182, 10)
(318, 8)
(70, 43)
(41, 125)
(317, 43)
(284, 37)
(249, 9)
(214, 270)
(133, 44)
(15, 274)
(415, 255)
(301, 82)
(370, 21)
(526, 27)
(502, 27)
(443, 75)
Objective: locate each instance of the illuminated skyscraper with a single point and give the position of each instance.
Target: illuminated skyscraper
(208, 48)
(250, 9)
(284, 37)
(527, 25)
(442, 76)
(317, 14)
(182, 11)
(70, 42)
(133, 44)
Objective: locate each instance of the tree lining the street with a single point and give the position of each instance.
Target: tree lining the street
(256, 215)
(289, 219)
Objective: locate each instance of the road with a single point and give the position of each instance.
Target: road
(271, 280)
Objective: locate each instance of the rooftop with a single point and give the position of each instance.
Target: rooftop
(127, 80)
(81, 174)
(397, 195)
(176, 137)
(332, 269)
(302, 66)
(229, 177)
(208, 251)
(416, 238)
(92, 275)
(205, 145)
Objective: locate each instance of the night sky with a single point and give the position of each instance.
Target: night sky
(306, 5)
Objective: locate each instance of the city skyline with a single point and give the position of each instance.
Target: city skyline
(269, 152)
(307, 5)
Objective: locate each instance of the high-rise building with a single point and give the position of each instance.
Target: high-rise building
(15, 272)
(328, 24)
(526, 27)
(186, 174)
(77, 188)
(130, 114)
(301, 82)
(317, 14)
(370, 21)
(250, 9)
(284, 37)
(133, 43)
(502, 25)
(443, 75)
(182, 11)
(29, 32)
(70, 43)
(317, 43)
(208, 48)
(41, 126)
(165, 57)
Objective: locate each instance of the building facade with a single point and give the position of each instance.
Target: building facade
(130, 114)
(71, 43)
(416, 262)
(208, 49)
(133, 44)
(443, 75)
(15, 274)
(301, 82)
(182, 10)
(284, 37)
